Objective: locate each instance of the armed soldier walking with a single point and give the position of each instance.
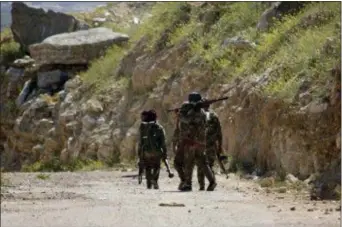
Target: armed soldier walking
(151, 148)
(213, 142)
(192, 141)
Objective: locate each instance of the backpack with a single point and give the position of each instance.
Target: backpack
(150, 137)
(192, 121)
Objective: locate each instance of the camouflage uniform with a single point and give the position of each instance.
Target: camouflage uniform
(179, 155)
(192, 142)
(213, 144)
(152, 149)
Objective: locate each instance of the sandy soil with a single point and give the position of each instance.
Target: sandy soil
(113, 199)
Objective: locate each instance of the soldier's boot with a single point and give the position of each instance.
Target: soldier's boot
(186, 187)
(180, 186)
(212, 186)
(148, 178)
(155, 185)
(200, 178)
(156, 172)
(149, 184)
(210, 176)
(180, 171)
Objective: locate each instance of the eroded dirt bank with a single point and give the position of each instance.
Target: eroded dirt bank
(108, 198)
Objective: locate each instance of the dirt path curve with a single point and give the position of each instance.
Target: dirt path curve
(107, 199)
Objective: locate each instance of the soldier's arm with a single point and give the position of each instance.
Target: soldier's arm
(163, 141)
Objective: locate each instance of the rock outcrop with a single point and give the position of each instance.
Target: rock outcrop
(277, 11)
(31, 25)
(75, 47)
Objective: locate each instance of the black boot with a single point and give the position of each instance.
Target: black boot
(212, 186)
(155, 185)
(202, 187)
(149, 184)
(186, 188)
(180, 186)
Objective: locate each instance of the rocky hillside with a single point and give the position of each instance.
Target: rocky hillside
(279, 64)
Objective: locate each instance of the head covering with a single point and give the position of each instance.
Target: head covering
(194, 97)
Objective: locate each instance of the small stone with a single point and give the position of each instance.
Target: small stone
(310, 209)
(293, 208)
(189, 211)
(338, 208)
(291, 178)
(281, 190)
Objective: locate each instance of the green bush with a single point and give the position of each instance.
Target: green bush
(10, 50)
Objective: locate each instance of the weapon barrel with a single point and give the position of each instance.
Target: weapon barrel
(211, 101)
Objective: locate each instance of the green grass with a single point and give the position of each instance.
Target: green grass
(294, 46)
(43, 176)
(10, 50)
(56, 166)
(102, 71)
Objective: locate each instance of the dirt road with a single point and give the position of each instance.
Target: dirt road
(107, 198)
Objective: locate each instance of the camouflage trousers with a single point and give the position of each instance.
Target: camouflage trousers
(195, 155)
(211, 157)
(179, 163)
(152, 162)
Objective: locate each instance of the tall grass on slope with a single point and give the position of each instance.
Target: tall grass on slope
(102, 72)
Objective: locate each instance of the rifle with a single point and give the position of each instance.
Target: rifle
(166, 162)
(201, 104)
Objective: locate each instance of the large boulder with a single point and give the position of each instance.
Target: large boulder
(79, 47)
(31, 25)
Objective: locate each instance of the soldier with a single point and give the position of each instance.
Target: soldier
(213, 142)
(152, 147)
(179, 153)
(192, 141)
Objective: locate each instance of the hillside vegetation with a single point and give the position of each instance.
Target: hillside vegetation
(302, 47)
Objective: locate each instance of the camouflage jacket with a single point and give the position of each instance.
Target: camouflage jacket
(152, 138)
(214, 132)
(192, 123)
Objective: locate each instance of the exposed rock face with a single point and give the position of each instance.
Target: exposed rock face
(277, 11)
(260, 132)
(24, 62)
(76, 47)
(31, 25)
